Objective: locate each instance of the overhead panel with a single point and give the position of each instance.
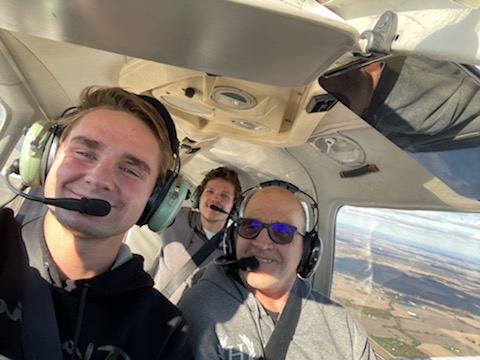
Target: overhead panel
(206, 106)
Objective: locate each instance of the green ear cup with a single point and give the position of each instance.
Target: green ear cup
(35, 155)
(170, 205)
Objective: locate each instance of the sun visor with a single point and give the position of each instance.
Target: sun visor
(268, 42)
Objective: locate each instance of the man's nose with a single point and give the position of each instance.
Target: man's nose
(216, 197)
(102, 175)
(263, 241)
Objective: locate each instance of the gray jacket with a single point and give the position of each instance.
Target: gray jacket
(227, 322)
(180, 241)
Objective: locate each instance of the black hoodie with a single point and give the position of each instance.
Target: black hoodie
(115, 315)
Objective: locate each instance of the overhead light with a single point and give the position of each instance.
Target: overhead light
(250, 125)
(187, 105)
(341, 149)
(233, 98)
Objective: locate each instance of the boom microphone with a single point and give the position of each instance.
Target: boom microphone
(245, 264)
(219, 209)
(95, 207)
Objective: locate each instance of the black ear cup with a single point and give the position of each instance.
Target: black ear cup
(38, 152)
(195, 197)
(229, 241)
(312, 251)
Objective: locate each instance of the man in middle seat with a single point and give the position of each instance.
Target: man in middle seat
(172, 269)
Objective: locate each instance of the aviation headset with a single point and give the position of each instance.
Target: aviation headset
(312, 244)
(41, 144)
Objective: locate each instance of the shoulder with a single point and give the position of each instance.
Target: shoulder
(183, 217)
(214, 299)
(185, 211)
(10, 245)
(7, 219)
(318, 305)
(324, 302)
(6, 213)
(215, 302)
(160, 324)
(7, 222)
(153, 307)
(214, 288)
(180, 228)
(314, 301)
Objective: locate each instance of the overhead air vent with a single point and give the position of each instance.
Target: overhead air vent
(250, 125)
(341, 149)
(233, 98)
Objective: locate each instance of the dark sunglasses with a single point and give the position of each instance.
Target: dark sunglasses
(278, 232)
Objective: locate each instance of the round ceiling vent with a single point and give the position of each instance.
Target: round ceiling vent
(341, 149)
(233, 98)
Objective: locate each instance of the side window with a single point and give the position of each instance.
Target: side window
(412, 278)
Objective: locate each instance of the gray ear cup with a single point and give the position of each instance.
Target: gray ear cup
(312, 252)
(195, 197)
(38, 152)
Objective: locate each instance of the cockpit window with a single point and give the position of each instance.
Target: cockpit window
(412, 279)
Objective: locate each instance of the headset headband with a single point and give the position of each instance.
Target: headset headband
(172, 132)
(308, 203)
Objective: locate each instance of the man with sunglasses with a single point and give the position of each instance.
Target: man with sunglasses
(270, 312)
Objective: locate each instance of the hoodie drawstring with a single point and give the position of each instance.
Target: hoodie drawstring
(78, 325)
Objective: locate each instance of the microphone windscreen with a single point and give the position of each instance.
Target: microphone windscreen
(219, 209)
(97, 207)
(249, 264)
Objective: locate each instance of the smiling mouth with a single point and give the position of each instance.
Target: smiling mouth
(263, 260)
